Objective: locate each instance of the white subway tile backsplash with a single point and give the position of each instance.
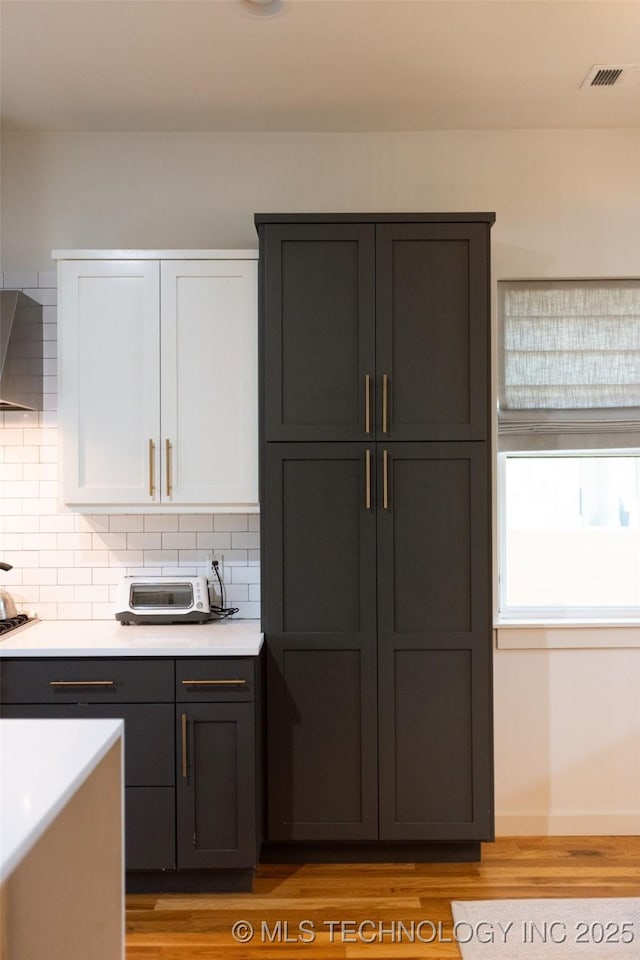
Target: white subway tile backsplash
(40, 541)
(58, 523)
(22, 488)
(178, 541)
(11, 436)
(17, 454)
(230, 521)
(57, 594)
(158, 558)
(213, 541)
(48, 453)
(47, 278)
(11, 541)
(21, 524)
(69, 565)
(108, 541)
(40, 505)
(195, 521)
(57, 558)
(91, 594)
(90, 558)
(108, 575)
(74, 611)
(245, 575)
(19, 279)
(40, 575)
(160, 522)
(14, 471)
(245, 541)
(144, 541)
(75, 541)
(91, 523)
(103, 611)
(75, 575)
(126, 523)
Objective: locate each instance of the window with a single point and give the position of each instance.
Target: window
(569, 442)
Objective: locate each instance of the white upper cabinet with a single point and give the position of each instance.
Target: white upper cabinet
(158, 379)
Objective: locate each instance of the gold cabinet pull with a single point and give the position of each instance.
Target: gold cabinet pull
(152, 456)
(81, 683)
(367, 403)
(367, 480)
(184, 764)
(168, 450)
(385, 480)
(215, 683)
(385, 402)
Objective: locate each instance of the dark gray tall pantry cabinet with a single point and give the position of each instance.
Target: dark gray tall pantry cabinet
(375, 492)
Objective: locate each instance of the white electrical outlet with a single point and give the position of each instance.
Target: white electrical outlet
(211, 570)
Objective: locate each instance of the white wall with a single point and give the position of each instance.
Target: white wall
(567, 204)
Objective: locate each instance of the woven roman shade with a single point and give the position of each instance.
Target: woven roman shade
(569, 364)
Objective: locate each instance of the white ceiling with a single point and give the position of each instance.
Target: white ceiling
(317, 65)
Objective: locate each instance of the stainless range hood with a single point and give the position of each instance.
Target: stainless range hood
(20, 351)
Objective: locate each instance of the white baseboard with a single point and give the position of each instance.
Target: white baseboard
(566, 825)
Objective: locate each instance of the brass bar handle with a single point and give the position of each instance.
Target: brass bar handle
(385, 402)
(215, 683)
(81, 683)
(184, 764)
(367, 403)
(168, 449)
(152, 457)
(367, 480)
(385, 480)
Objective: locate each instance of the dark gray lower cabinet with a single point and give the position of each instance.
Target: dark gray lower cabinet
(377, 617)
(191, 797)
(216, 786)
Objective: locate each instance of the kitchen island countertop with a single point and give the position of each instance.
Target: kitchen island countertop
(109, 638)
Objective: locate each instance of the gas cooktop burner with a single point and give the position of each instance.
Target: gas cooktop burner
(12, 623)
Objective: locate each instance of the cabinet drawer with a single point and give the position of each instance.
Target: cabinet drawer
(150, 828)
(149, 746)
(90, 680)
(215, 678)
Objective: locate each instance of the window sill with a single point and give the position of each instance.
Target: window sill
(567, 634)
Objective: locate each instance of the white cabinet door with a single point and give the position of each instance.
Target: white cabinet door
(209, 364)
(109, 331)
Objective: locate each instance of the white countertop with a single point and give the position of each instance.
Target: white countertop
(109, 638)
(42, 764)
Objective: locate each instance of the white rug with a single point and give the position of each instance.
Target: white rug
(595, 929)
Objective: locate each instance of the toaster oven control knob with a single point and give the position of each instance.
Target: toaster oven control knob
(199, 605)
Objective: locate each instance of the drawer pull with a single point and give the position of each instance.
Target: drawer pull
(214, 683)
(81, 683)
(152, 455)
(385, 402)
(185, 763)
(367, 403)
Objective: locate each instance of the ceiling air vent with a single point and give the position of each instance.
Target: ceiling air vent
(612, 75)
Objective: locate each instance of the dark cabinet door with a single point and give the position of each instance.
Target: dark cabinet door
(319, 619)
(215, 785)
(434, 643)
(432, 331)
(318, 333)
(149, 762)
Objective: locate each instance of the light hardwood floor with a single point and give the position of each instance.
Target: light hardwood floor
(334, 900)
